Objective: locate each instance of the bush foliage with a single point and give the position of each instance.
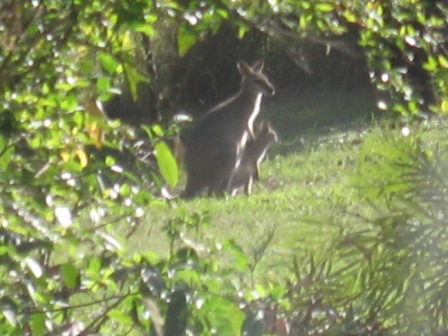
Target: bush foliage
(67, 174)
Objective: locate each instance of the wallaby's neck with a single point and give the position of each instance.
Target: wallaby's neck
(248, 89)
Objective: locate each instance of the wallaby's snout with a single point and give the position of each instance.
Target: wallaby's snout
(266, 87)
(268, 90)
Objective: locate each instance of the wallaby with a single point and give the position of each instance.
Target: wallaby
(248, 167)
(213, 146)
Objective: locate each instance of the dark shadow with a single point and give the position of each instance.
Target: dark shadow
(297, 113)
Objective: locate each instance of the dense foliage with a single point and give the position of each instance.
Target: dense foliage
(67, 175)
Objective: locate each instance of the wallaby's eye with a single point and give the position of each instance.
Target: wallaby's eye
(263, 83)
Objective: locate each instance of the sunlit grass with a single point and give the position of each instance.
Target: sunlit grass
(294, 201)
(299, 207)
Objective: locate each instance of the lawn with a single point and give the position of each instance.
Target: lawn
(296, 207)
(306, 198)
(309, 241)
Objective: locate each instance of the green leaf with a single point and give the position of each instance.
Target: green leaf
(277, 292)
(189, 276)
(431, 64)
(102, 84)
(145, 29)
(240, 258)
(125, 189)
(94, 265)
(443, 61)
(108, 63)
(222, 13)
(109, 161)
(157, 130)
(70, 275)
(242, 30)
(37, 324)
(324, 7)
(120, 317)
(167, 163)
(224, 315)
(6, 154)
(350, 16)
(185, 40)
(305, 20)
(133, 77)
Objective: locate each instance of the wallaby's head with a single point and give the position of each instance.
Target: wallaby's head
(254, 80)
(266, 133)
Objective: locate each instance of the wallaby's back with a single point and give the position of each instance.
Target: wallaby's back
(214, 144)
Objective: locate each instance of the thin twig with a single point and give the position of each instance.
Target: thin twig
(101, 318)
(79, 306)
(109, 222)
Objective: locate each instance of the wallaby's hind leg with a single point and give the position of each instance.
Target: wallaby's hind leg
(209, 178)
(221, 175)
(248, 186)
(195, 185)
(219, 187)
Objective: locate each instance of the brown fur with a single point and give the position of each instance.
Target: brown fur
(213, 146)
(248, 167)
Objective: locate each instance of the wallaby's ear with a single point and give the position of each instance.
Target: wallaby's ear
(258, 66)
(244, 68)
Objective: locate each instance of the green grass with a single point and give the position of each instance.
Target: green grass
(308, 227)
(302, 203)
(304, 181)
